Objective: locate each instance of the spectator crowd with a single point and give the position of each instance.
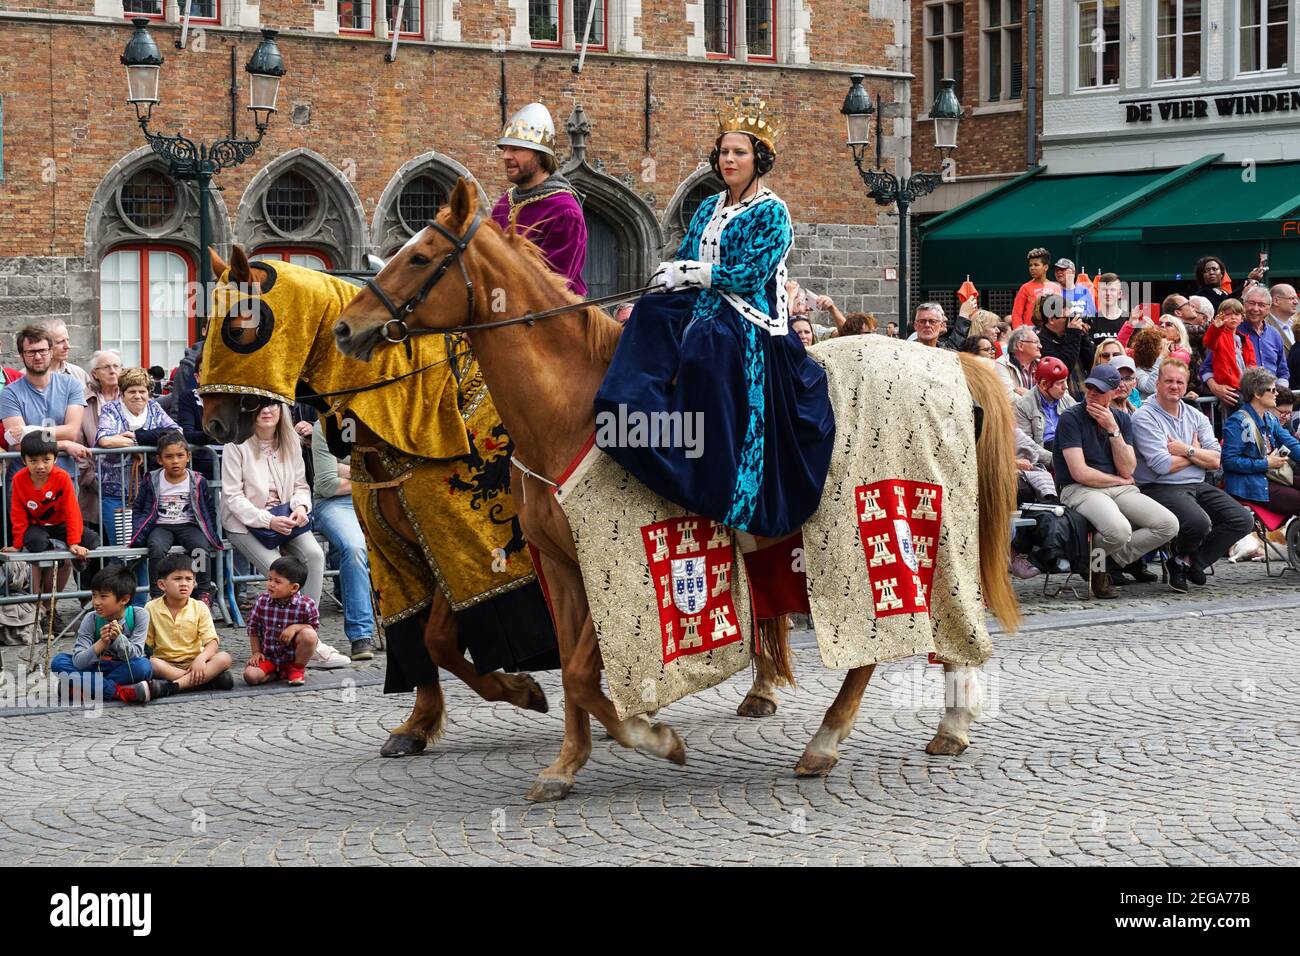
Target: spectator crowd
(150, 485)
(1146, 434)
(1162, 431)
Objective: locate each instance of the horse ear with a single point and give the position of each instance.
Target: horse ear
(239, 271)
(463, 202)
(219, 265)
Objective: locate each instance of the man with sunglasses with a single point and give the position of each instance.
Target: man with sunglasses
(1094, 462)
(41, 399)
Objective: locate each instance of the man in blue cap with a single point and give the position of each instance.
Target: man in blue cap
(1094, 462)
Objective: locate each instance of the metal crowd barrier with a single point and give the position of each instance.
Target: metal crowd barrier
(224, 577)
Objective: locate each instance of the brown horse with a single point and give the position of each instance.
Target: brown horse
(298, 348)
(544, 377)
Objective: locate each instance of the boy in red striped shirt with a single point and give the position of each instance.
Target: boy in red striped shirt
(44, 508)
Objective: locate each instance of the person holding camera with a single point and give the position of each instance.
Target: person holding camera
(1258, 452)
(1176, 448)
(1061, 332)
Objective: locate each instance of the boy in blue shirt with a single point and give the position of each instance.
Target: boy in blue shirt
(109, 651)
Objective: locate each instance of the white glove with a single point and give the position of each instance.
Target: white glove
(681, 274)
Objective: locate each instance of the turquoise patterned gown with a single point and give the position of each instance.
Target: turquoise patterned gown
(734, 378)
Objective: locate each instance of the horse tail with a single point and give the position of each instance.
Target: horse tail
(774, 645)
(995, 455)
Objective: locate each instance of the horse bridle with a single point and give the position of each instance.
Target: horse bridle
(458, 246)
(396, 330)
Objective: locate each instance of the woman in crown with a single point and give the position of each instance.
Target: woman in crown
(751, 428)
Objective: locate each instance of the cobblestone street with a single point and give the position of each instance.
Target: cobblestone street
(1155, 730)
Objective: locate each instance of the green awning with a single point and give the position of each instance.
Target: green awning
(989, 236)
(1225, 210)
(1148, 226)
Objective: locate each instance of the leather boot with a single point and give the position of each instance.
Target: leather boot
(1102, 588)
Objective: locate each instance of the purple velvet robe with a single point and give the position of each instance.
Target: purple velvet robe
(555, 223)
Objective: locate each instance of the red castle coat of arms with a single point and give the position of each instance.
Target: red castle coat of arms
(690, 561)
(898, 523)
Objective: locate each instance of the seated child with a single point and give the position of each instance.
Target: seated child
(1231, 351)
(282, 626)
(109, 651)
(173, 507)
(181, 634)
(44, 509)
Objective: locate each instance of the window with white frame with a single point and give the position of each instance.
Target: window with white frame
(206, 10)
(412, 19)
(581, 10)
(760, 29)
(718, 28)
(355, 16)
(144, 310)
(544, 22)
(944, 52)
(1002, 41)
(1097, 43)
(1178, 39)
(143, 8)
(1263, 29)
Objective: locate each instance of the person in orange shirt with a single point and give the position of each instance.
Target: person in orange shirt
(1022, 313)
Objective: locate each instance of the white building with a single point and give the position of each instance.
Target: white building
(1134, 84)
(1171, 130)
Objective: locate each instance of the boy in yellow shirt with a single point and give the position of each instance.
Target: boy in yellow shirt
(181, 634)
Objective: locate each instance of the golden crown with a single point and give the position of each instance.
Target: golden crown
(750, 118)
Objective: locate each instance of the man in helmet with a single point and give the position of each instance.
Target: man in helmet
(541, 205)
(1040, 408)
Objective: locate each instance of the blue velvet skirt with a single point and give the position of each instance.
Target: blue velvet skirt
(748, 432)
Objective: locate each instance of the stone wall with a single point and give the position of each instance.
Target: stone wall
(846, 262)
(35, 289)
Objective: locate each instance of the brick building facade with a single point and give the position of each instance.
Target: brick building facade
(93, 231)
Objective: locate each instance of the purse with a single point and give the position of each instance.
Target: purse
(1284, 475)
(274, 539)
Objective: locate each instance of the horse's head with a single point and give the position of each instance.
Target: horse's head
(263, 323)
(425, 284)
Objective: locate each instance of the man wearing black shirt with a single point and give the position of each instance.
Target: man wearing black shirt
(1110, 318)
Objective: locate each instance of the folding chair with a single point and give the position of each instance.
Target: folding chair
(1267, 520)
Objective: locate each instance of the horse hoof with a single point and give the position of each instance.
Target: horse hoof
(677, 753)
(548, 790)
(755, 706)
(536, 698)
(945, 745)
(403, 745)
(815, 764)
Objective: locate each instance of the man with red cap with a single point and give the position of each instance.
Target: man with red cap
(1039, 409)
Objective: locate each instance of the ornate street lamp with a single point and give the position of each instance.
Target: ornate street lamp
(886, 188)
(187, 160)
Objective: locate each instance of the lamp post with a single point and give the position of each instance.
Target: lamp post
(199, 162)
(886, 188)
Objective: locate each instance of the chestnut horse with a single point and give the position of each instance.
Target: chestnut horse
(300, 347)
(544, 377)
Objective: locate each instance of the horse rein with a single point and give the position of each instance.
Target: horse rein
(396, 330)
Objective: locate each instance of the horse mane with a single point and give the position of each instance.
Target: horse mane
(602, 330)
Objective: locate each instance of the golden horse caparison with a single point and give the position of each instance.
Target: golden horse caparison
(225, 422)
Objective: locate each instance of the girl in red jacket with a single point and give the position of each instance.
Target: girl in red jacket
(1231, 350)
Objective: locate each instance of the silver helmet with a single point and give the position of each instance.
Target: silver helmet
(531, 128)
